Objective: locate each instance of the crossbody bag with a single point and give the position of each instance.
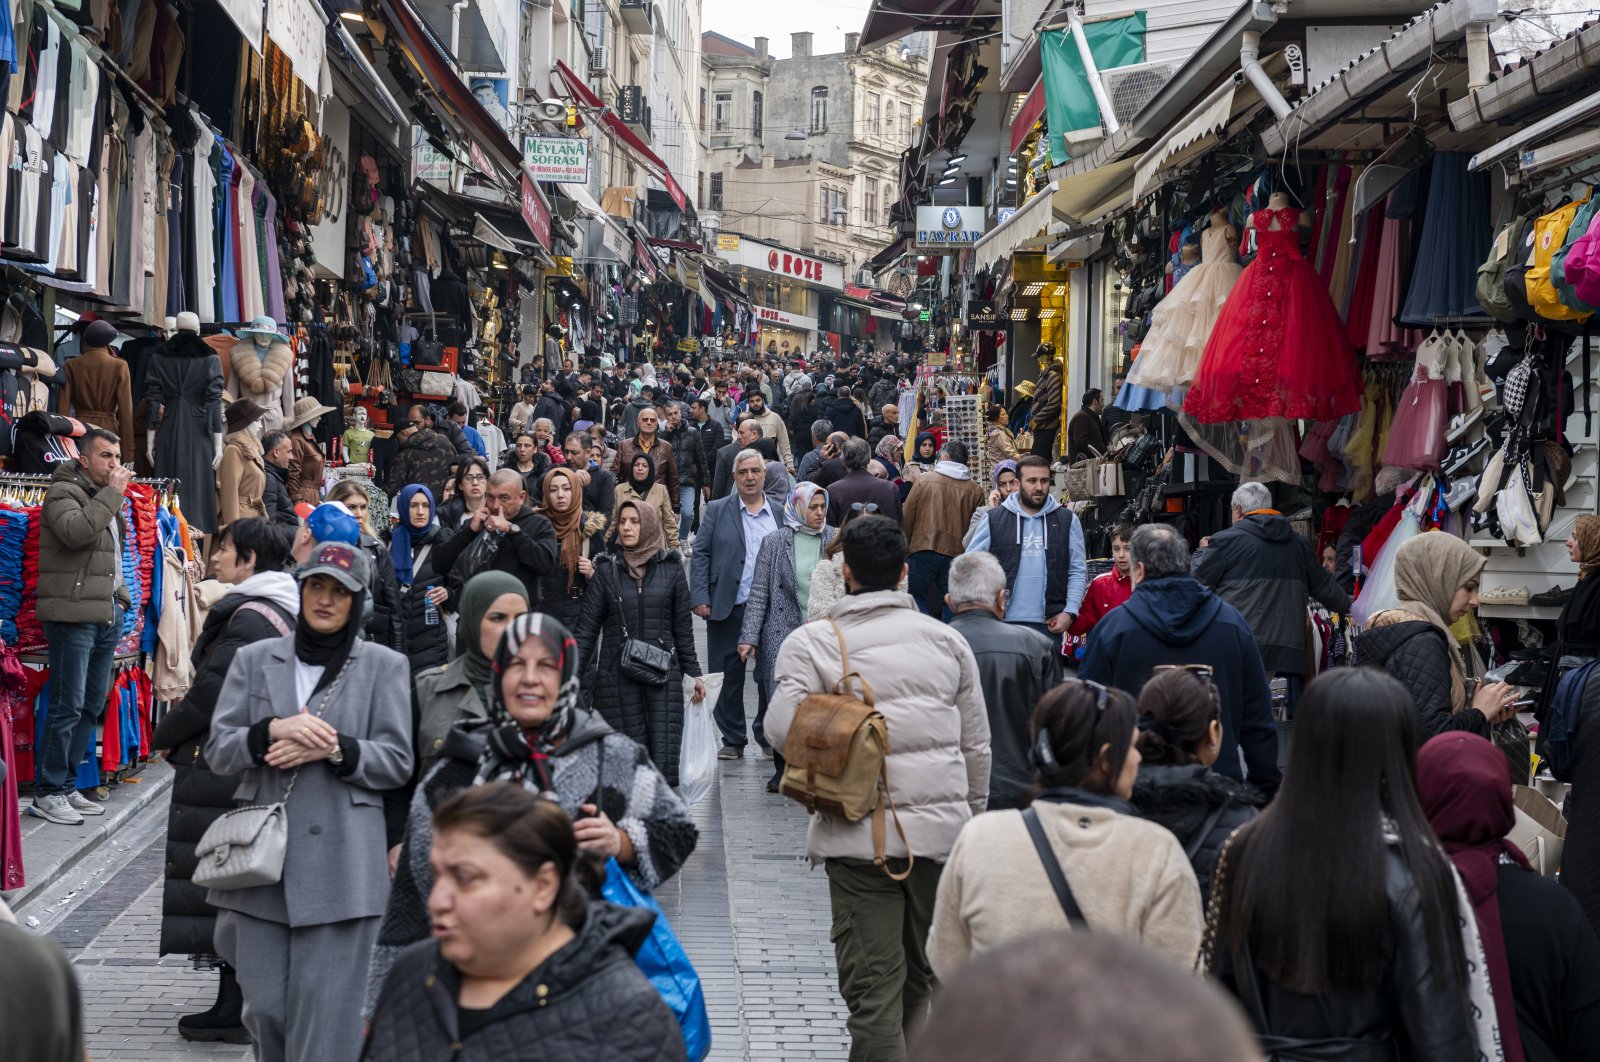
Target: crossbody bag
(644, 662)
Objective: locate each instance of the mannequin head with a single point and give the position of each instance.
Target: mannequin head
(361, 418)
(254, 429)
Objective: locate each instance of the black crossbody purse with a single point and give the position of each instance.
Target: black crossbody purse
(643, 662)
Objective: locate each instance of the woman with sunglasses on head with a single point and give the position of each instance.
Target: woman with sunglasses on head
(1116, 872)
(827, 579)
(1180, 733)
(1335, 919)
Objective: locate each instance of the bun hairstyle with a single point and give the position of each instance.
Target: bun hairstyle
(1176, 710)
(530, 831)
(1070, 726)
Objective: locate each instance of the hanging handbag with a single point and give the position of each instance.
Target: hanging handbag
(1514, 506)
(643, 662)
(1083, 477)
(244, 848)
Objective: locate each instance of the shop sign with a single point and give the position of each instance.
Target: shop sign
(333, 185)
(535, 213)
(688, 345)
(479, 160)
(432, 164)
(785, 320)
(300, 29)
(949, 226)
(925, 315)
(727, 241)
(984, 313)
(783, 262)
(561, 159)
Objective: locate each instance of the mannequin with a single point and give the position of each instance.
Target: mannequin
(241, 478)
(259, 368)
(358, 441)
(98, 390)
(306, 463)
(183, 377)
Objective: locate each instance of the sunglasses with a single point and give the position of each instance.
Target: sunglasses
(863, 507)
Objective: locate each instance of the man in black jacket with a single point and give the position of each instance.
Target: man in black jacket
(505, 536)
(276, 450)
(1016, 666)
(692, 471)
(599, 486)
(713, 437)
(747, 436)
(860, 487)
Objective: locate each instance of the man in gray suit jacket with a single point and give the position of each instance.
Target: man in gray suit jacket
(731, 530)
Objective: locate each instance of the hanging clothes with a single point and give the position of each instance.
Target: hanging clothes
(1454, 242)
(1182, 323)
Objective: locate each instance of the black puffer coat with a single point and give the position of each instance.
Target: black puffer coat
(1417, 654)
(199, 797)
(383, 625)
(1184, 799)
(587, 1001)
(423, 644)
(657, 612)
(555, 598)
(275, 496)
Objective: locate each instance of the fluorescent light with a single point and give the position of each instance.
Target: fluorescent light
(353, 16)
(1019, 314)
(947, 180)
(1011, 182)
(957, 158)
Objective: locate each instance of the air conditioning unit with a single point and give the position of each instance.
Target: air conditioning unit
(864, 277)
(597, 60)
(1131, 87)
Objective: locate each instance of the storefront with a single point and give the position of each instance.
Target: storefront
(786, 288)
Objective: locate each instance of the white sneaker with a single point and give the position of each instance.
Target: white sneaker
(83, 805)
(54, 808)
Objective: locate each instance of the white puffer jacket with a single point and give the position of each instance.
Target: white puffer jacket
(925, 681)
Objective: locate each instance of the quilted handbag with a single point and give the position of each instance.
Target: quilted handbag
(407, 381)
(1083, 477)
(427, 353)
(641, 661)
(438, 383)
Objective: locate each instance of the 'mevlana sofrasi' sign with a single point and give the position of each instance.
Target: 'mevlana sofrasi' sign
(949, 226)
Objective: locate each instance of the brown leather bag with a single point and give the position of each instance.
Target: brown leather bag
(836, 759)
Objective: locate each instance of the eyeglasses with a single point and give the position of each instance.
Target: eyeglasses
(476, 477)
(863, 507)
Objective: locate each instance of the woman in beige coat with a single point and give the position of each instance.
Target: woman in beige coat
(242, 476)
(1127, 876)
(639, 485)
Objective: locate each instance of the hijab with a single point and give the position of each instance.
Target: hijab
(1464, 783)
(777, 484)
(651, 540)
(1586, 529)
(1007, 465)
(328, 650)
(404, 540)
(916, 451)
(476, 597)
(799, 501)
(569, 524)
(514, 754)
(1428, 570)
(891, 451)
(641, 487)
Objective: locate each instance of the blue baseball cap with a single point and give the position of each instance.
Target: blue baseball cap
(330, 522)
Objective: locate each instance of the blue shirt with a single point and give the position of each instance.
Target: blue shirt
(757, 526)
(475, 440)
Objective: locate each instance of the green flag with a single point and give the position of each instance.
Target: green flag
(1069, 103)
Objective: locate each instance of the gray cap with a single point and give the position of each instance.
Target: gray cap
(343, 562)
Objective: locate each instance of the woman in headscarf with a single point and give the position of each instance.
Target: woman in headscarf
(1005, 480)
(383, 625)
(781, 587)
(827, 579)
(777, 484)
(424, 634)
(620, 804)
(892, 452)
(1436, 578)
(326, 712)
(581, 536)
(639, 485)
(1542, 954)
(639, 592)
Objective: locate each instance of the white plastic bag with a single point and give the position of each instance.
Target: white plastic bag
(697, 753)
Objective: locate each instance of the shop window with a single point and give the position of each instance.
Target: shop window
(757, 115)
(721, 112)
(819, 109)
(715, 199)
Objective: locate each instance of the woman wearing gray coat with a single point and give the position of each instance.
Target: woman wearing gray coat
(331, 714)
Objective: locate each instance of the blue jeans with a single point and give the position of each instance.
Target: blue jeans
(929, 571)
(81, 656)
(687, 496)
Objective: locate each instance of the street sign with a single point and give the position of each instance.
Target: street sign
(560, 159)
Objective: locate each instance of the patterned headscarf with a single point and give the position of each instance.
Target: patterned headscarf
(515, 754)
(891, 450)
(1586, 529)
(799, 501)
(1007, 465)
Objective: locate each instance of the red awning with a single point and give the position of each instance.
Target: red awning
(1032, 108)
(855, 291)
(619, 129)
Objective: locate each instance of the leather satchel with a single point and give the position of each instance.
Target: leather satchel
(643, 662)
(836, 759)
(245, 848)
(427, 354)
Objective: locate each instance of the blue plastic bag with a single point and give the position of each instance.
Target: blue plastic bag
(664, 962)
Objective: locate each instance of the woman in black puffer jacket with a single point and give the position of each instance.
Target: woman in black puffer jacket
(1180, 731)
(640, 586)
(250, 554)
(581, 536)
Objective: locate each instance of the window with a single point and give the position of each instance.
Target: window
(716, 192)
(869, 202)
(824, 200)
(721, 112)
(702, 110)
(819, 109)
(757, 115)
(905, 121)
(835, 206)
(874, 112)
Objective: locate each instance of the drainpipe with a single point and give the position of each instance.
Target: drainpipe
(1250, 63)
(1096, 85)
(1477, 55)
(455, 30)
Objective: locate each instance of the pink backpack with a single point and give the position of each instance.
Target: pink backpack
(1583, 264)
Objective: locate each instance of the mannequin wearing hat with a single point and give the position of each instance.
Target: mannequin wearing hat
(1047, 403)
(98, 390)
(306, 461)
(242, 476)
(183, 398)
(260, 368)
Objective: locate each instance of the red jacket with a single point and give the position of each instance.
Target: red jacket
(1105, 593)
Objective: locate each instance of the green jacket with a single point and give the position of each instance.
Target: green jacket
(78, 550)
(444, 697)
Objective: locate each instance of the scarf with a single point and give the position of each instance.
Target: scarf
(891, 451)
(641, 487)
(328, 650)
(404, 540)
(651, 540)
(1586, 529)
(916, 451)
(1007, 465)
(794, 509)
(777, 484)
(568, 524)
(1428, 570)
(513, 753)
(479, 593)
(1464, 783)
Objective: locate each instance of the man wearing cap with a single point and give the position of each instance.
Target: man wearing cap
(505, 536)
(98, 390)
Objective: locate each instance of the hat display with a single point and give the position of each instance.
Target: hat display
(263, 326)
(99, 334)
(306, 410)
(344, 562)
(241, 414)
(189, 321)
(330, 522)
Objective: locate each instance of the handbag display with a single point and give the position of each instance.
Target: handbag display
(244, 848)
(438, 384)
(644, 663)
(1108, 480)
(1083, 477)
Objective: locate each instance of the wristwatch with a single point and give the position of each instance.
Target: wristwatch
(336, 758)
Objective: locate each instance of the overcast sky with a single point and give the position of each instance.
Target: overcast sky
(743, 20)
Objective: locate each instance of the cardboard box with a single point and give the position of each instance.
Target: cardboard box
(1540, 830)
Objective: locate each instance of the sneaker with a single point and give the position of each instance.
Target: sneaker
(1554, 597)
(83, 805)
(1458, 458)
(1503, 595)
(54, 808)
(730, 752)
(1462, 424)
(1460, 492)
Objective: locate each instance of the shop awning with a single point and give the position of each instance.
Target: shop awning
(485, 43)
(624, 135)
(889, 255)
(612, 235)
(1194, 134)
(1032, 110)
(1090, 196)
(889, 20)
(486, 233)
(1026, 224)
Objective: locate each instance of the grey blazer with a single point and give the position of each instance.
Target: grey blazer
(719, 555)
(773, 611)
(336, 865)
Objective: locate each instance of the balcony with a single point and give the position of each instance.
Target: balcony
(633, 111)
(636, 16)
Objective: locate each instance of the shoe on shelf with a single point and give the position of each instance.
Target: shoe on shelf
(83, 805)
(731, 752)
(54, 808)
(1504, 595)
(1458, 458)
(1461, 491)
(1462, 424)
(1554, 597)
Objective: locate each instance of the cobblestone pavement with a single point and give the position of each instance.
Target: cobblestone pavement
(752, 915)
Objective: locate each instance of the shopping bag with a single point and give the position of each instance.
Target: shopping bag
(1378, 592)
(662, 959)
(697, 753)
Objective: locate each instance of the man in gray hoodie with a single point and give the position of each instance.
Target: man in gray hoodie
(1039, 544)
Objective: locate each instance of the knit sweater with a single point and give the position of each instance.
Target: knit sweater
(1129, 877)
